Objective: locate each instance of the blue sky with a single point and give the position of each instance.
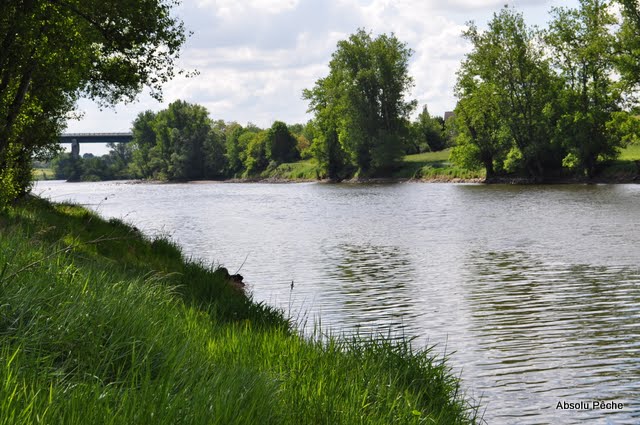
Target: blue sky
(256, 56)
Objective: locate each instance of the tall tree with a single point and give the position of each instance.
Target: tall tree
(483, 139)
(582, 46)
(144, 139)
(362, 101)
(53, 51)
(627, 55)
(508, 56)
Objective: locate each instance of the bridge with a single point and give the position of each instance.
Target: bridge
(76, 138)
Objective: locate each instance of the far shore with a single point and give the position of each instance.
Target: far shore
(510, 180)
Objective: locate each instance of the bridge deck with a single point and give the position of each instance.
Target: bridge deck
(96, 137)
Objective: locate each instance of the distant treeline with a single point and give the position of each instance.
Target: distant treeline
(183, 143)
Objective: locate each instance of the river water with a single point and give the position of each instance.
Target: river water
(533, 291)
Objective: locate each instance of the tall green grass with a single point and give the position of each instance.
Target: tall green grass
(101, 325)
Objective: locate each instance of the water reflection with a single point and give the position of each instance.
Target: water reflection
(373, 284)
(548, 331)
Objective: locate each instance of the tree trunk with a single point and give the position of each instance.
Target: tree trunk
(18, 101)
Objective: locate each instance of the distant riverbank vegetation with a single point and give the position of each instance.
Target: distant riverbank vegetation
(534, 105)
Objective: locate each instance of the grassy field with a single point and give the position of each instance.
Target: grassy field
(624, 168)
(43, 174)
(101, 325)
(434, 166)
(630, 153)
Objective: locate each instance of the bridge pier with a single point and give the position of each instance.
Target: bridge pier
(75, 148)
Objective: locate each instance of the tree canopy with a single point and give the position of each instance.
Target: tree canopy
(360, 107)
(541, 103)
(54, 51)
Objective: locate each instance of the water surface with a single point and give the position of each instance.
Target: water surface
(533, 290)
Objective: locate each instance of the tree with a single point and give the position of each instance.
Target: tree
(216, 165)
(362, 101)
(119, 161)
(144, 139)
(255, 157)
(326, 147)
(508, 61)
(583, 53)
(189, 126)
(54, 51)
(281, 146)
(483, 139)
(181, 143)
(233, 148)
(627, 56)
(427, 133)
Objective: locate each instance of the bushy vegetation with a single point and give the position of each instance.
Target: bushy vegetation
(548, 103)
(101, 325)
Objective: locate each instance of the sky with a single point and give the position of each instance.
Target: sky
(254, 57)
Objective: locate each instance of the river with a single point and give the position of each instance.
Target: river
(533, 291)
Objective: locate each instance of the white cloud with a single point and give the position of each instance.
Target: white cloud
(256, 56)
(229, 9)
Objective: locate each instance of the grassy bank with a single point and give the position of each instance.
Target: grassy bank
(434, 166)
(101, 325)
(43, 174)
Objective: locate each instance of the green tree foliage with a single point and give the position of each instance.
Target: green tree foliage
(255, 157)
(113, 166)
(539, 101)
(234, 149)
(627, 56)
(483, 139)
(53, 51)
(582, 47)
(304, 135)
(281, 145)
(360, 107)
(178, 143)
(144, 139)
(119, 160)
(215, 165)
(426, 134)
(507, 63)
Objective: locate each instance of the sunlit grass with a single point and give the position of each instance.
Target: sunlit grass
(434, 166)
(442, 155)
(43, 174)
(101, 325)
(630, 153)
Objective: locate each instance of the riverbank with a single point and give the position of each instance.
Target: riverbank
(432, 167)
(100, 324)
